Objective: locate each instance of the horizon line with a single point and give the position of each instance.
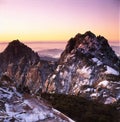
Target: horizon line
(35, 41)
(49, 41)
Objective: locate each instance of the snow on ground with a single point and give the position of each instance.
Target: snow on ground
(110, 70)
(97, 61)
(94, 95)
(110, 100)
(58, 68)
(87, 90)
(5, 93)
(24, 108)
(53, 76)
(56, 111)
(33, 114)
(84, 70)
(103, 83)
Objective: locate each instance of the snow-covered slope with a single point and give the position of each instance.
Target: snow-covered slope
(16, 107)
(88, 67)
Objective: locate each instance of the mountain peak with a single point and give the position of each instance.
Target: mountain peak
(16, 46)
(15, 51)
(87, 39)
(87, 67)
(18, 49)
(90, 34)
(88, 44)
(15, 41)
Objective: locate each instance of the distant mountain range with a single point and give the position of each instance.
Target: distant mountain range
(54, 54)
(117, 50)
(50, 54)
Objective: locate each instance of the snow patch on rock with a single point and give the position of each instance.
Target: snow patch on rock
(110, 70)
(103, 83)
(110, 100)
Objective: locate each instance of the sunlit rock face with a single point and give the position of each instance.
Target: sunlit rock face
(24, 66)
(87, 67)
(17, 107)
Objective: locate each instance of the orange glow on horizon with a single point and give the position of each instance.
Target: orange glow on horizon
(53, 36)
(43, 20)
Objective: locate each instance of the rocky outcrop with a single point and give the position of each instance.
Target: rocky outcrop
(16, 51)
(24, 67)
(88, 67)
(17, 107)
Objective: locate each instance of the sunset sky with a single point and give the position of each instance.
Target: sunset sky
(50, 20)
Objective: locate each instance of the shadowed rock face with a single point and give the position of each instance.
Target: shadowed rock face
(15, 52)
(87, 67)
(24, 66)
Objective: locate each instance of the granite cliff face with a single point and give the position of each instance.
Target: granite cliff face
(24, 67)
(88, 67)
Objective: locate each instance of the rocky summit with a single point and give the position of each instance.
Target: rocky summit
(87, 67)
(16, 51)
(24, 66)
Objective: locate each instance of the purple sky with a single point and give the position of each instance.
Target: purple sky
(58, 19)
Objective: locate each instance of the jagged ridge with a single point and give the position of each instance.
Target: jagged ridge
(14, 52)
(93, 46)
(24, 67)
(88, 67)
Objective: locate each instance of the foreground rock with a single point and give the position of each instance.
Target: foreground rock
(16, 107)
